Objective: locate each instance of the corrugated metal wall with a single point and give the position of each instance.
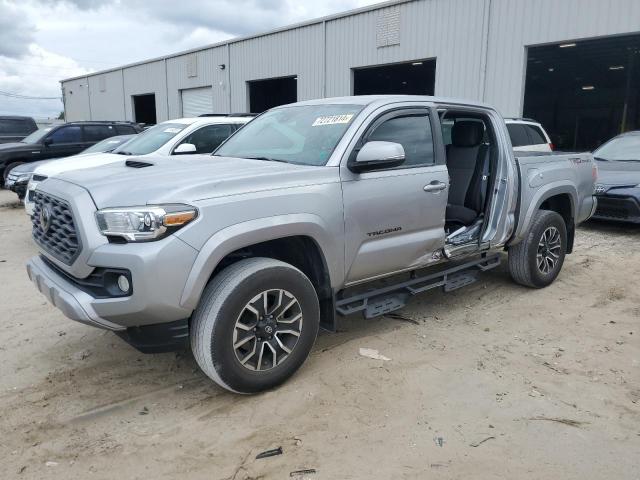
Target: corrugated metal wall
(208, 73)
(294, 52)
(448, 30)
(106, 94)
(146, 78)
(517, 24)
(76, 99)
(479, 47)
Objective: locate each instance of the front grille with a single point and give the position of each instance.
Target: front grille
(53, 227)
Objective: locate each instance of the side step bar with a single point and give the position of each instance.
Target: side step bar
(394, 297)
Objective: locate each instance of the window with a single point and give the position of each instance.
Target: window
(11, 126)
(95, 133)
(413, 132)
(518, 134)
(301, 134)
(68, 134)
(535, 135)
(152, 139)
(208, 138)
(125, 130)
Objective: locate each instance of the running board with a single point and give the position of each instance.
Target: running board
(381, 301)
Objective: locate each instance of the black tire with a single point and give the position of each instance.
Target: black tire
(524, 262)
(225, 300)
(7, 171)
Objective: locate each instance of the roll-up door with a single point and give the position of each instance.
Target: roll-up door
(196, 101)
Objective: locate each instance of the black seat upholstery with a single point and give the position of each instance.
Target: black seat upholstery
(468, 164)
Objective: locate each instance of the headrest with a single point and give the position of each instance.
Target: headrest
(467, 133)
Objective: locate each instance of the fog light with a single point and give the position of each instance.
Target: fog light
(123, 283)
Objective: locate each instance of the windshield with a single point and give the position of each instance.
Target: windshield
(305, 134)
(620, 149)
(36, 136)
(151, 140)
(108, 144)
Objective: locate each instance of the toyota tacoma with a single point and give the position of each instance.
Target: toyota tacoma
(311, 211)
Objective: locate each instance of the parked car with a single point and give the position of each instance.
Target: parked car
(15, 128)
(174, 137)
(297, 216)
(19, 176)
(528, 135)
(59, 141)
(618, 187)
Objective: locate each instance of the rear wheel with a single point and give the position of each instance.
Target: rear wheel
(255, 325)
(537, 260)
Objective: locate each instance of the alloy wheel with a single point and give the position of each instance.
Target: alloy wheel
(267, 329)
(549, 249)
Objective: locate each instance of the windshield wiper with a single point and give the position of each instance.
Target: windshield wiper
(600, 159)
(266, 159)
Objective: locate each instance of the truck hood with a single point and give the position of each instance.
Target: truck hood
(612, 173)
(189, 178)
(28, 167)
(55, 167)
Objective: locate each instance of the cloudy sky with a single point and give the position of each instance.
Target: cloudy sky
(44, 41)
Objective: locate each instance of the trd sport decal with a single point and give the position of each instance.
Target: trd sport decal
(384, 232)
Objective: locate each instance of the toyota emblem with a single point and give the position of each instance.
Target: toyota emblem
(600, 189)
(45, 218)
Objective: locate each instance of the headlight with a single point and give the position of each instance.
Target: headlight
(24, 178)
(143, 224)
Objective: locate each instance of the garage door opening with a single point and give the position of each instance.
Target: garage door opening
(144, 108)
(584, 92)
(410, 78)
(266, 94)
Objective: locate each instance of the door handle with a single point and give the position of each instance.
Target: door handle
(435, 187)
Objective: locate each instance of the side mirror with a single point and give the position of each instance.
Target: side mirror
(47, 141)
(378, 155)
(184, 149)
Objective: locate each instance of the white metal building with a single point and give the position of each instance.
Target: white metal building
(570, 63)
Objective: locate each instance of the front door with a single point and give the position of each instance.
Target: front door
(63, 142)
(394, 218)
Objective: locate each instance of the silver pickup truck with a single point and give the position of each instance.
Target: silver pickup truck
(319, 208)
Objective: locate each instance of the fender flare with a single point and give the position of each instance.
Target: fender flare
(255, 231)
(551, 190)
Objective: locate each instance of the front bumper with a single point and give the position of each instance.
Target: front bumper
(19, 188)
(157, 272)
(70, 300)
(621, 206)
(28, 198)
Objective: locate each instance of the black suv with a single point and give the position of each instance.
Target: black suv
(14, 129)
(59, 141)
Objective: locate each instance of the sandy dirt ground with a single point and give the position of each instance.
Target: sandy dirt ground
(492, 381)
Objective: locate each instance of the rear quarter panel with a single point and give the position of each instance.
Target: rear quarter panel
(545, 175)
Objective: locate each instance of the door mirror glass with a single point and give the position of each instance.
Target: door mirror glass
(185, 148)
(377, 155)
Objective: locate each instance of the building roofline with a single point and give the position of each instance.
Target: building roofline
(315, 21)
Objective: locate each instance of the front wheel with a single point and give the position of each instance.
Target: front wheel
(8, 169)
(536, 261)
(255, 325)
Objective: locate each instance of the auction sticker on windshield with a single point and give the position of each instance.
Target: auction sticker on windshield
(332, 120)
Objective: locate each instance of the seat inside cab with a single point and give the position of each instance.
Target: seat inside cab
(468, 149)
